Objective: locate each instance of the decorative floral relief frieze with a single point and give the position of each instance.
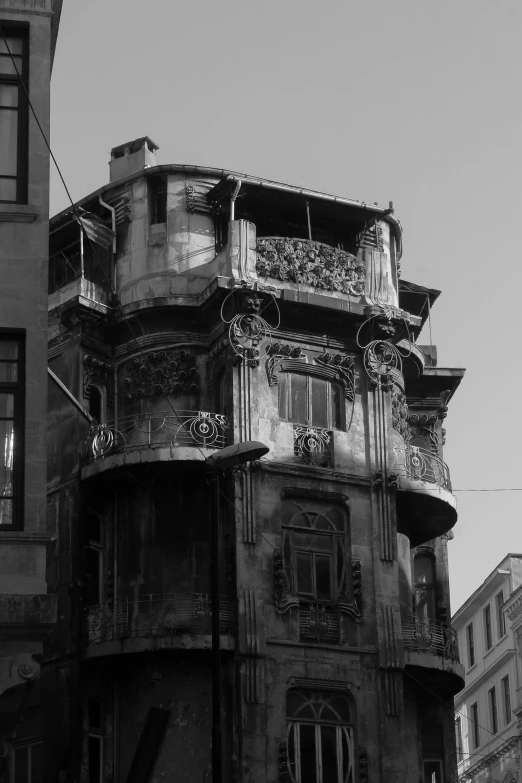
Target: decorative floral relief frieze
(161, 372)
(312, 263)
(277, 352)
(283, 762)
(363, 765)
(344, 367)
(400, 414)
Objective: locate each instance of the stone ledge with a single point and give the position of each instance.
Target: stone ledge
(27, 609)
(18, 213)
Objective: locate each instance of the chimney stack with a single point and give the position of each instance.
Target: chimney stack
(132, 157)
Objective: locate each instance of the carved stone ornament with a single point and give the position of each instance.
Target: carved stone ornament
(277, 352)
(161, 372)
(282, 762)
(247, 329)
(284, 600)
(422, 424)
(94, 370)
(313, 263)
(27, 672)
(357, 584)
(344, 367)
(363, 765)
(400, 414)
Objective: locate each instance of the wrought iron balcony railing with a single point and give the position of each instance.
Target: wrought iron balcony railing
(174, 428)
(421, 465)
(157, 614)
(313, 445)
(422, 635)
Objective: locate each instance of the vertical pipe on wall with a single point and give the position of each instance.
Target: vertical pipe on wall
(308, 219)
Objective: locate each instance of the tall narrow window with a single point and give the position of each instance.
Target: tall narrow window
(158, 199)
(94, 565)
(425, 596)
(11, 431)
(488, 636)
(13, 116)
(432, 753)
(471, 645)
(493, 716)
(501, 622)
(506, 700)
(27, 763)
(96, 404)
(458, 739)
(475, 729)
(320, 738)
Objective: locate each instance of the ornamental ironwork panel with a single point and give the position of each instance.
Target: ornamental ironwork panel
(423, 635)
(313, 263)
(319, 622)
(313, 445)
(157, 614)
(421, 465)
(174, 428)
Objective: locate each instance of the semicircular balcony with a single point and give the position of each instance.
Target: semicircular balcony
(153, 437)
(156, 622)
(426, 507)
(431, 654)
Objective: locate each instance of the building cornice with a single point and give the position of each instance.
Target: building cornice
(488, 760)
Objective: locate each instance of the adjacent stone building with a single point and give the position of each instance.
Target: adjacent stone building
(27, 607)
(488, 735)
(199, 308)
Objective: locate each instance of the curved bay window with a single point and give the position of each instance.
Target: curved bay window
(310, 400)
(425, 607)
(320, 738)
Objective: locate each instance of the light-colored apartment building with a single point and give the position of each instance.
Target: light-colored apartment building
(488, 738)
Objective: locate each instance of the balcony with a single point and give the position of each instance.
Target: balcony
(160, 620)
(425, 506)
(431, 650)
(148, 437)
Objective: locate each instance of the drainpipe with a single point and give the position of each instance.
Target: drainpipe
(233, 199)
(113, 222)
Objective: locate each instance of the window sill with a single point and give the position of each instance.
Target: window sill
(471, 668)
(18, 213)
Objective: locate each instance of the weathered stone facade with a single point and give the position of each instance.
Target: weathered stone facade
(328, 643)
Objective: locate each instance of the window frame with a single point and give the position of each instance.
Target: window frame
(501, 620)
(29, 744)
(21, 31)
(429, 588)
(493, 710)
(506, 700)
(310, 374)
(97, 733)
(488, 627)
(470, 645)
(343, 731)
(17, 388)
(475, 732)
(458, 739)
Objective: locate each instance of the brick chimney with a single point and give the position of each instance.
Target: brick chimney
(132, 157)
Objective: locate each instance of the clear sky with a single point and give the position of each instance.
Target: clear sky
(413, 101)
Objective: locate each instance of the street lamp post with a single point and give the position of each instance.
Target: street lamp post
(229, 457)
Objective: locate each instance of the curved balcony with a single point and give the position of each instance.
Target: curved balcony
(431, 649)
(156, 621)
(425, 506)
(149, 437)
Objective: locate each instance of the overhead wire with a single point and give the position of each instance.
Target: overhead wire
(127, 322)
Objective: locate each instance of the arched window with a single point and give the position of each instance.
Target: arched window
(96, 403)
(425, 587)
(310, 400)
(315, 539)
(320, 737)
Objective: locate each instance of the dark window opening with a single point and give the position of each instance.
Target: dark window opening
(501, 623)
(506, 698)
(493, 713)
(488, 635)
(306, 400)
(471, 645)
(425, 587)
(66, 259)
(95, 740)
(157, 199)
(475, 728)
(11, 430)
(27, 763)
(96, 403)
(13, 115)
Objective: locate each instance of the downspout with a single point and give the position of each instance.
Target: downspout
(233, 199)
(113, 222)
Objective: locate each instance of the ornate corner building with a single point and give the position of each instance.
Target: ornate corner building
(198, 308)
